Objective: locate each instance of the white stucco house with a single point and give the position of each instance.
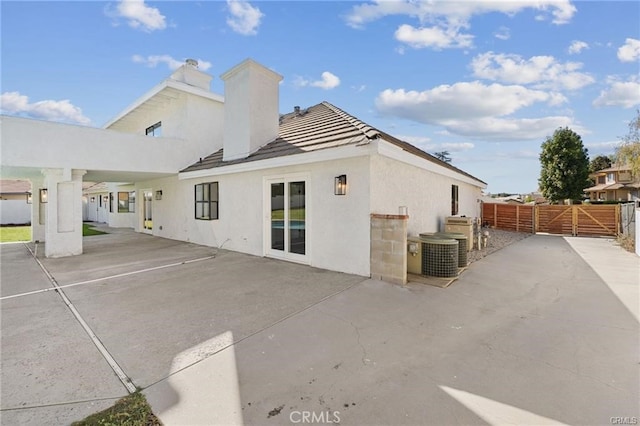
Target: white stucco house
(230, 171)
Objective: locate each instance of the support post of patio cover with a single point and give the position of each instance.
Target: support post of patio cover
(37, 210)
(63, 219)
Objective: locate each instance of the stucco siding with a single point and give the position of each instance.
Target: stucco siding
(337, 225)
(426, 194)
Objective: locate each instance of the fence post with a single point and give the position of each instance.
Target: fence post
(495, 216)
(517, 218)
(618, 221)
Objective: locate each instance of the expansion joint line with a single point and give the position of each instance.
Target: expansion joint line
(126, 381)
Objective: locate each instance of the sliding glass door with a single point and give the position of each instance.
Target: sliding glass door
(287, 226)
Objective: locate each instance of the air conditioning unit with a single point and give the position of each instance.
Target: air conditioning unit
(432, 256)
(439, 257)
(461, 225)
(462, 244)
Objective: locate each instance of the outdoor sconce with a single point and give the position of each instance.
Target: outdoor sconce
(93, 199)
(341, 185)
(29, 198)
(44, 195)
(159, 194)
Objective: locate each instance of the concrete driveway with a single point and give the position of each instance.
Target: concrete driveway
(531, 334)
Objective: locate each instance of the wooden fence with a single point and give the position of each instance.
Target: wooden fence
(581, 219)
(509, 217)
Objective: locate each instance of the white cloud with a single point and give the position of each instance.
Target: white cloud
(15, 103)
(625, 94)
(152, 61)
(512, 129)
(561, 11)
(140, 16)
(630, 50)
(426, 144)
(543, 71)
(503, 33)
(244, 18)
(327, 82)
(577, 46)
(447, 19)
(465, 99)
(596, 148)
(475, 110)
(436, 37)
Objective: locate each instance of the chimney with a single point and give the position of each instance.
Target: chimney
(188, 73)
(251, 102)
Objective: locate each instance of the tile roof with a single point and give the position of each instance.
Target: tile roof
(318, 127)
(613, 169)
(14, 186)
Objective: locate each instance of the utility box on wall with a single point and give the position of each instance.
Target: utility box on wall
(461, 225)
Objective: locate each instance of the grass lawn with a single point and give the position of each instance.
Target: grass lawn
(132, 410)
(87, 230)
(12, 234)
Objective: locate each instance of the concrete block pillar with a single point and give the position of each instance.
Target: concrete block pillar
(63, 219)
(389, 248)
(38, 210)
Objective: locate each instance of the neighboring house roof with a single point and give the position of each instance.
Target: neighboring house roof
(318, 127)
(611, 187)
(14, 186)
(613, 169)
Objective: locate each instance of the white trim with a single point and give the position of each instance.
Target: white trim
(266, 185)
(394, 152)
(328, 154)
(157, 89)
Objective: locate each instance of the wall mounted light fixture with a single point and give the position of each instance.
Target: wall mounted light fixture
(44, 195)
(159, 194)
(29, 198)
(341, 185)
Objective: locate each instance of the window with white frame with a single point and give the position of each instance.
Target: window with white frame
(206, 201)
(126, 202)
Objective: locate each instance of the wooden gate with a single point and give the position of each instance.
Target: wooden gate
(579, 219)
(584, 219)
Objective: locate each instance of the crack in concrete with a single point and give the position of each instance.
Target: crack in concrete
(364, 358)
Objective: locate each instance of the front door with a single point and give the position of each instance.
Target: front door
(147, 218)
(287, 214)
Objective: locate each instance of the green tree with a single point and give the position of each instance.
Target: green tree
(565, 166)
(598, 163)
(628, 152)
(443, 156)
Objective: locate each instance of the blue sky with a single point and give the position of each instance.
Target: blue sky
(486, 81)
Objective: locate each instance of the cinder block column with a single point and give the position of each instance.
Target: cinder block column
(389, 248)
(63, 223)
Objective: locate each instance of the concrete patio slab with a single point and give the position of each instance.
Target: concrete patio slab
(529, 335)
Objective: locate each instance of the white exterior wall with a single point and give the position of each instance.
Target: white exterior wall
(197, 121)
(96, 211)
(637, 213)
(337, 228)
(124, 220)
(16, 211)
(426, 194)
